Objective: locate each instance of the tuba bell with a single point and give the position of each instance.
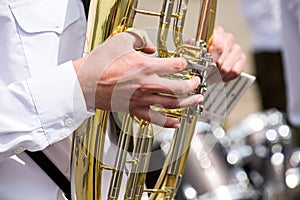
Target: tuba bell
(87, 167)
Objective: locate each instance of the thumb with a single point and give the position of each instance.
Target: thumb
(141, 41)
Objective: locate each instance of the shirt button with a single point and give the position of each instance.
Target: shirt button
(18, 150)
(57, 22)
(69, 122)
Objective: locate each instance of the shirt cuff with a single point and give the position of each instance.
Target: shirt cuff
(59, 101)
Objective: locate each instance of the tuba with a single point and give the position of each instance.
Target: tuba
(87, 167)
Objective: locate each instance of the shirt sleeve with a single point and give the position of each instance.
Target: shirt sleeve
(38, 112)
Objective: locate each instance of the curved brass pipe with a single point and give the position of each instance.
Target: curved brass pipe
(107, 17)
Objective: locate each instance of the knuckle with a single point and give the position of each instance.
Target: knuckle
(180, 64)
(238, 49)
(216, 49)
(195, 83)
(122, 37)
(142, 64)
(230, 37)
(224, 70)
(243, 59)
(219, 28)
(235, 72)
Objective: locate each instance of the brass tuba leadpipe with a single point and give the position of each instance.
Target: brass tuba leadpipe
(107, 17)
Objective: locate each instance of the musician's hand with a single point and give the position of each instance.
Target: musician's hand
(116, 77)
(227, 54)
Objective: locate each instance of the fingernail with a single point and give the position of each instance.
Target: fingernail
(200, 99)
(177, 125)
(197, 81)
(183, 62)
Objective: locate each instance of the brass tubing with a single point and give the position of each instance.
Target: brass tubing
(107, 17)
(141, 154)
(119, 166)
(181, 11)
(162, 35)
(155, 14)
(206, 20)
(88, 154)
(181, 146)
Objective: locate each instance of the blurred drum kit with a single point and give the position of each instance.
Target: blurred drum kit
(255, 159)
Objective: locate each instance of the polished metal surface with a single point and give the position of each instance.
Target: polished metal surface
(109, 17)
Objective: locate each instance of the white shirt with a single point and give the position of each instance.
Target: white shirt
(291, 49)
(41, 102)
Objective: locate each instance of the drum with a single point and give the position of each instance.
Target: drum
(262, 145)
(208, 175)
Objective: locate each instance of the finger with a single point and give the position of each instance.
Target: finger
(164, 121)
(168, 86)
(149, 47)
(236, 70)
(156, 118)
(219, 28)
(227, 48)
(169, 102)
(231, 57)
(141, 41)
(163, 66)
(217, 47)
(234, 64)
(190, 41)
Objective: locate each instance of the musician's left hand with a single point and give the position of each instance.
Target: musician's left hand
(227, 54)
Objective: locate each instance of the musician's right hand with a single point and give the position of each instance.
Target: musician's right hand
(116, 77)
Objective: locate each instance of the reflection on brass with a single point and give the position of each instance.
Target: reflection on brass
(109, 17)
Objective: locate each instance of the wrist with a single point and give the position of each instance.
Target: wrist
(77, 64)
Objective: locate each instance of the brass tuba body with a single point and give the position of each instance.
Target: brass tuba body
(105, 18)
